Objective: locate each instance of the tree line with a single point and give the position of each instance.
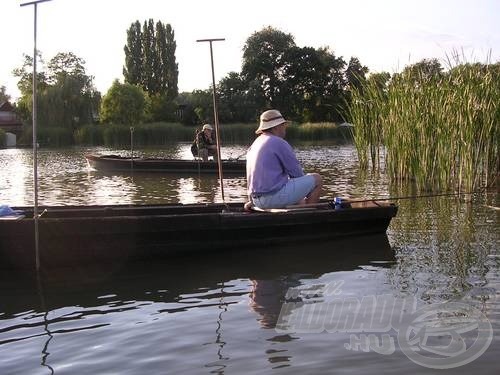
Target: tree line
(307, 84)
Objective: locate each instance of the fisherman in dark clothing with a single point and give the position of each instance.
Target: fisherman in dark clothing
(204, 144)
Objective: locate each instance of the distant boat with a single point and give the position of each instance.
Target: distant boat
(116, 163)
(79, 235)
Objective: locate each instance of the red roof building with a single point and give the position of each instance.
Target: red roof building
(9, 121)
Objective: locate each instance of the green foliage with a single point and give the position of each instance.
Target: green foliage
(143, 134)
(355, 74)
(3, 138)
(319, 132)
(303, 83)
(160, 133)
(66, 95)
(437, 129)
(48, 136)
(263, 62)
(233, 102)
(132, 71)
(423, 70)
(161, 108)
(197, 107)
(90, 135)
(124, 104)
(4, 97)
(150, 59)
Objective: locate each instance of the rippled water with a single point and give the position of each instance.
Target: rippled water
(217, 313)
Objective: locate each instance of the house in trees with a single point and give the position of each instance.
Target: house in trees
(10, 122)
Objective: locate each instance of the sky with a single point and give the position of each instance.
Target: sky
(385, 35)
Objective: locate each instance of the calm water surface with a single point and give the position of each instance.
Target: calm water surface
(217, 313)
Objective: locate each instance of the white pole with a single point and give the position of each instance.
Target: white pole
(34, 129)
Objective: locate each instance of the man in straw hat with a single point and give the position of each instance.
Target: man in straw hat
(274, 175)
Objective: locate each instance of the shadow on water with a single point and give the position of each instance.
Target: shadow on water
(184, 274)
(209, 279)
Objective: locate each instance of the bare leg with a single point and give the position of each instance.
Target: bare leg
(314, 195)
(248, 206)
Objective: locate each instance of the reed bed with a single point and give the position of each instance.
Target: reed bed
(440, 132)
(48, 136)
(164, 133)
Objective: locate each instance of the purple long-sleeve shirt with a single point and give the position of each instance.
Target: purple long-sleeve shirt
(270, 163)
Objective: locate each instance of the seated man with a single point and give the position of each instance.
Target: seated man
(274, 175)
(204, 144)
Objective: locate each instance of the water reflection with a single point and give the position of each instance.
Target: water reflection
(64, 177)
(222, 305)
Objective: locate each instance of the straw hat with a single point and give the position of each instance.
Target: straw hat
(269, 119)
(207, 126)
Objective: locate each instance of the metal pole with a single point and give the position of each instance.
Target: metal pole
(34, 130)
(216, 116)
(132, 148)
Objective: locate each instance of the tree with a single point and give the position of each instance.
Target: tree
(314, 83)
(150, 59)
(263, 65)
(66, 95)
(25, 75)
(304, 83)
(4, 97)
(197, 107)
(355, 73)
(425, 69)
(132, 71)
(123, 104)
(235, 105)
(168, 68)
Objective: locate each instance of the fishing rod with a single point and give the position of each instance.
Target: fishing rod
(239, 156)
(410, 197)
(332, 202)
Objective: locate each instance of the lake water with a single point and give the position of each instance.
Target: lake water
(424, 297)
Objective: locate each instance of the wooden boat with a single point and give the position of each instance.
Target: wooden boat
(126, 164)
(73, 235)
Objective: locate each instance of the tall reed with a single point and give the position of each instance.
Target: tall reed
(441, 132)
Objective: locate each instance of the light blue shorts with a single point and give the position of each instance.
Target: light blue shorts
(293, 191)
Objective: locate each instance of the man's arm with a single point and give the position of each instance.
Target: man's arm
(289, 161)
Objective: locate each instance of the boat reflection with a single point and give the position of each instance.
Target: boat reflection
(175, 283)
(130, 280)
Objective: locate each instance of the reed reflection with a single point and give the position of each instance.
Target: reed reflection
(447, 251)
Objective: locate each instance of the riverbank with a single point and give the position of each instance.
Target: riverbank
(163, 133)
